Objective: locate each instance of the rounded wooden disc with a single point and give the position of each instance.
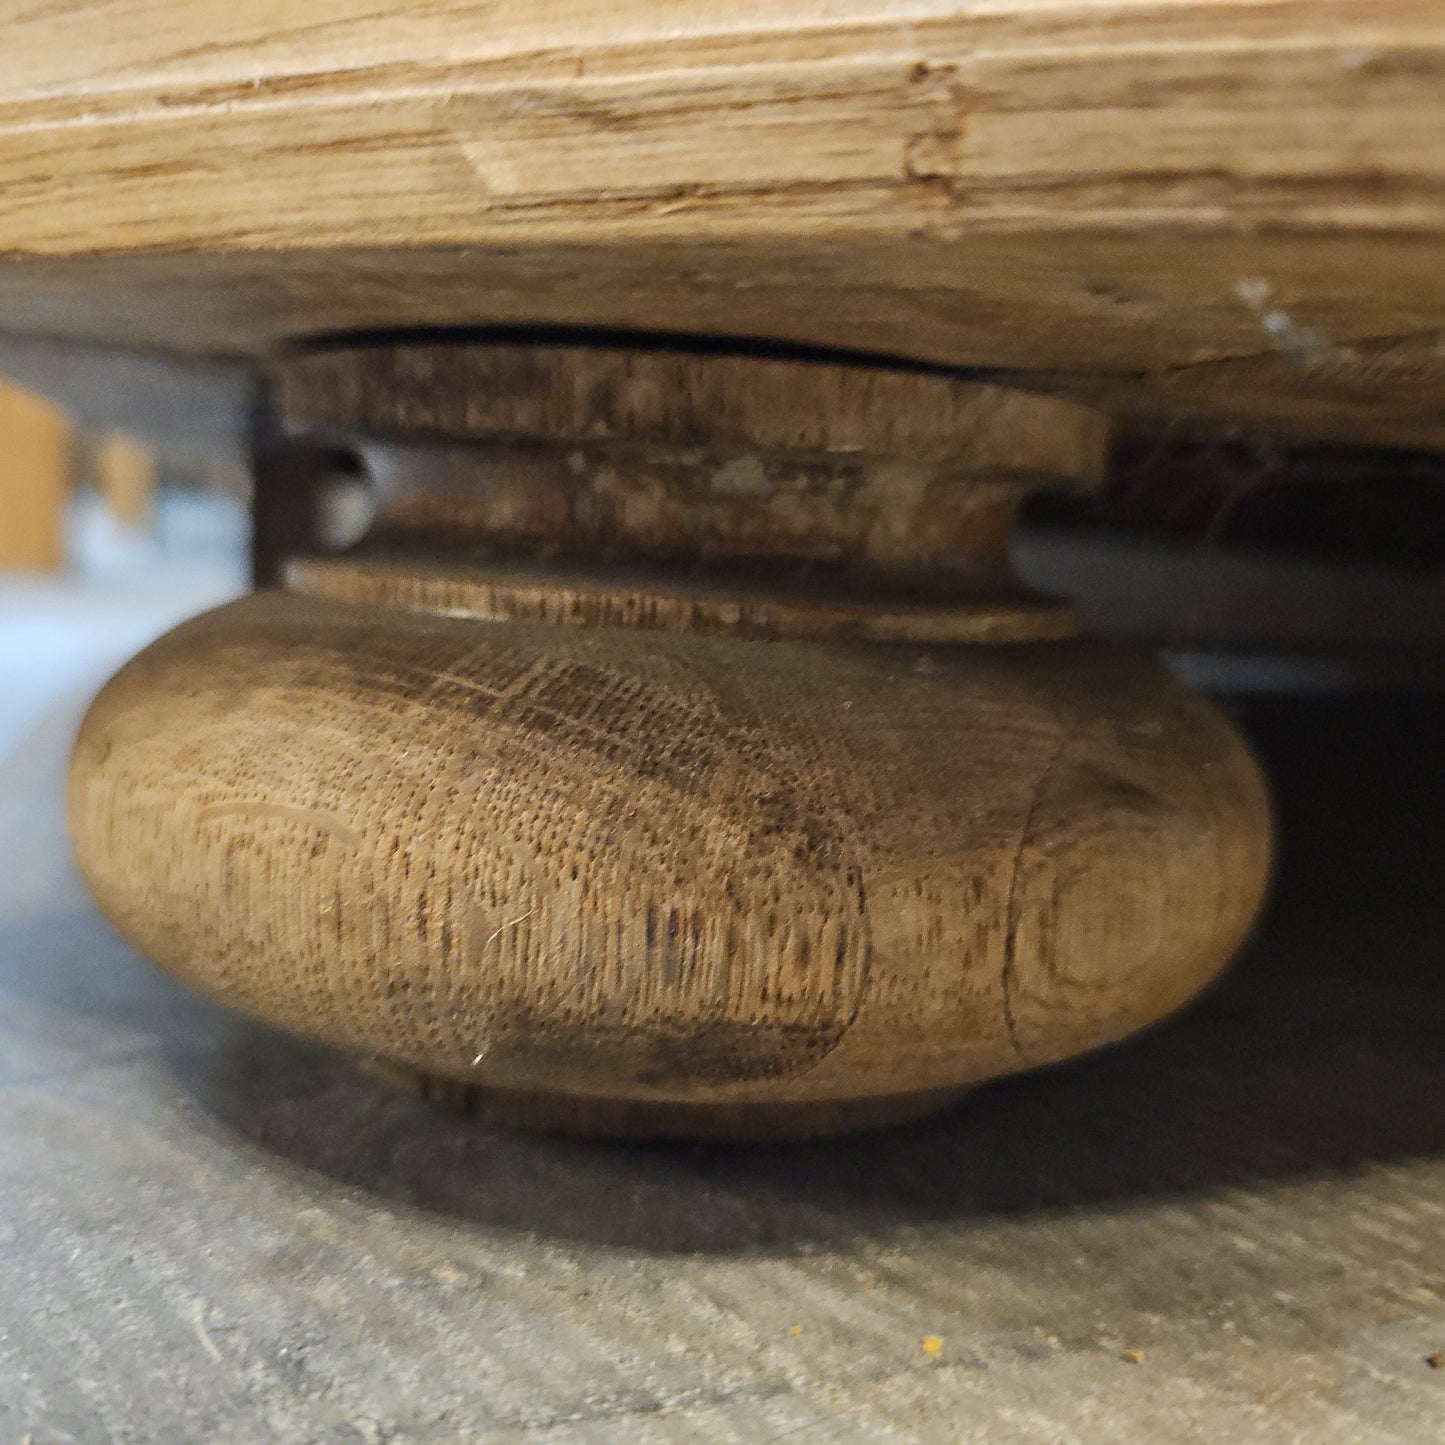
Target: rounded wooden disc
(706, 605)
(620, 865)
(657, 396)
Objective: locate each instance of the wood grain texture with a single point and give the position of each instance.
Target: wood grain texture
(690, 492)
(437, 124)
(623, 817)
(810, 490)
(657, 397)
(1093, 187)
(609, 864)
(709, 606)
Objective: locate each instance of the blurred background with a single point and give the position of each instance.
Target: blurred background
(123, 509)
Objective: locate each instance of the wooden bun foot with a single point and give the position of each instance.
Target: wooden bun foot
(770, 846)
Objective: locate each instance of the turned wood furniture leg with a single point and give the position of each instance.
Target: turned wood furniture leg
(35, 454)
(677, 754)
(126, 474)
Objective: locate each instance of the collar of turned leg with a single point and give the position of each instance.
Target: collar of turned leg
(688, 491)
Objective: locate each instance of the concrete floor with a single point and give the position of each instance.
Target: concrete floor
(1232, 1229)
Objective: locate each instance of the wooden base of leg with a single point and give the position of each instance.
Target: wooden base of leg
(548, 859)
(786, 797)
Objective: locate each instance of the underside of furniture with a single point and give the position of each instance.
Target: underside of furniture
(1217, 209)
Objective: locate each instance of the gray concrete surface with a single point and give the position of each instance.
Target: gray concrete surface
(1232, 1229)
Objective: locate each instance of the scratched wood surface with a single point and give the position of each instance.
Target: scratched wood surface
(704, 853)
(1113, 191)
(1229, 1229)
(682, 871)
